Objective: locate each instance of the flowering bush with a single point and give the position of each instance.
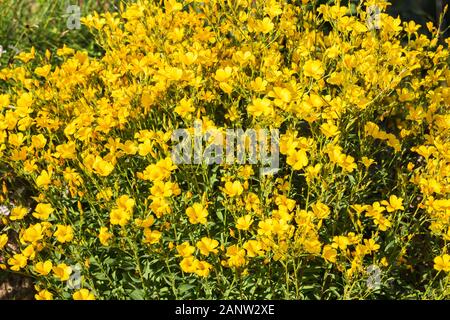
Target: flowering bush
(359, 207)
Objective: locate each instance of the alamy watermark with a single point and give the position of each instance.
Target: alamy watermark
(2, 51)
(4, 211)
(373, 20)
(373, 282)
(251, 146)
(74, 18)
(74, 281)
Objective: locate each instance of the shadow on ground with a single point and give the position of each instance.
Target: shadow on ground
(15, 287)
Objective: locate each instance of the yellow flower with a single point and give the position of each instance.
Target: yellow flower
(72, 177)
(185, 108)
(105, 194)
(336, 156)
(16, 139)
(233, 189)
(17, 262)
(253, 248)
(297, 159)
(374, 211)
(312, 172)
(312, 246)
(33, 234)
(3, 240)
(64, 233)
(43, 211)
(43, 268)
(125, 203)
(189, 58)
(104, 236)
(38, 141)
(160, 206)
(244, 223)
(189, 264)
(43, 71)
(371, 245)
(246, 172)
(273, 9)
(43, 295)
(159, 171)
(321, 210)
(384, 262)
(197, 213)
(314, 69)
(329, 129)
(129, 147)
(4, 100)
(102, 167)
(44, 179)
(151, 236)
(265, 26)
(185, 249)
(395, 203)
(382, 223)
(146, 223)
(87, 118)
(329, 253)
(259, 107)
(348, 163)
(222, 75)
(172, 73)
(442, 263)
(29, 252)
(258, 85)
(119, 216)
(340, 242)
(226, 87)
(18, 213)
(66, 150)
(83, 294)
(65, 51)
(236, 256)
(265, 227)
(282, 96)
(62, 271)
(207, 246)
(164, 189)
(203, 268)
(367, 162)
(24, 103)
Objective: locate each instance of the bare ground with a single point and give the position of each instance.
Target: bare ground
(15, 287)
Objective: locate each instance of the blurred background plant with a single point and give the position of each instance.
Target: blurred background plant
(421, 11)
(43, 24)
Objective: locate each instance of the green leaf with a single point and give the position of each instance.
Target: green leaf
(219, 215)
(137, 295)
(185, 287)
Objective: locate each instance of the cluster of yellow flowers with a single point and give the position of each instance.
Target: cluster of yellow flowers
(364, 140)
